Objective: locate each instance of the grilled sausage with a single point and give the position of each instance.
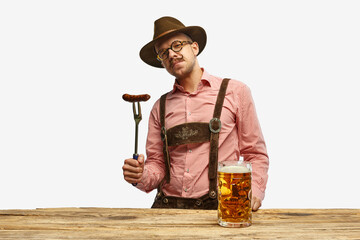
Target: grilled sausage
(136, 98)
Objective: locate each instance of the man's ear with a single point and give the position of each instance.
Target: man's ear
(195, 48)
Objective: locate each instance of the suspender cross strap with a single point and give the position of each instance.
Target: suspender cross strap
(195, 133)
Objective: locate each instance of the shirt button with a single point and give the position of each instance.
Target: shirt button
(189, 113)
(185, 189)
(187, 170)
(190, 151)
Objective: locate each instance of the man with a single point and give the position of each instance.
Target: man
(202, 121)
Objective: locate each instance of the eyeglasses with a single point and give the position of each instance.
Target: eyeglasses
(176, 46)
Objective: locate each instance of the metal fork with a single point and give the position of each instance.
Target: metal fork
(137, 118)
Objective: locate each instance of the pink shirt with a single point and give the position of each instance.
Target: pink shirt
(240, 134)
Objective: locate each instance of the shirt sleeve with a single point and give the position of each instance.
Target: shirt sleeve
(154, 169)
(251, 142)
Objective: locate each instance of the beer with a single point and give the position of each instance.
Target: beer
(234, 195)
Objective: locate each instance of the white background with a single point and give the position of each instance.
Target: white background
(64, 65)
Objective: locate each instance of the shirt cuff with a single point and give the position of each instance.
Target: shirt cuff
(256, 192)
(149, 181)
(141, 185)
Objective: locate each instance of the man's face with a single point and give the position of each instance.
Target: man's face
(179, 64)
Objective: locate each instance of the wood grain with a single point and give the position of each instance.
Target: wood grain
(108, 223)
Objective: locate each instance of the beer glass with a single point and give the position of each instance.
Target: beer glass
(234, 194)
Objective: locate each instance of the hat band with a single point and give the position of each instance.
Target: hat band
(164, 33)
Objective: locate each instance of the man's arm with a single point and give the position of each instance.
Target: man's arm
(252, 145)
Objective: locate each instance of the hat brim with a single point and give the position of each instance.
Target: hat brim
(196, 33)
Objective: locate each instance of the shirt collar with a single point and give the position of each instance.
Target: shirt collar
(206, 79)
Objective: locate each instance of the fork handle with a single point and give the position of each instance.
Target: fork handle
(135, 156)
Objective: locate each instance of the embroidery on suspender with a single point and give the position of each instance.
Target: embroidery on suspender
(185, 133)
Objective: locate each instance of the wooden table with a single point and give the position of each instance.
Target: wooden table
(112, 223)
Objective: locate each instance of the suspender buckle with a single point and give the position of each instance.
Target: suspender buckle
(163, 133)
(218, 125)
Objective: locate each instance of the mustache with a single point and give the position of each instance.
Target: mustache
(173, 61)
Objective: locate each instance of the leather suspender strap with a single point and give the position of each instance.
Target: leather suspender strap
(220, 98)
(162, 110)
(164, 138)
(215, 126)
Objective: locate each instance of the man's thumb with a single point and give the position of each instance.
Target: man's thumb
(141, 159)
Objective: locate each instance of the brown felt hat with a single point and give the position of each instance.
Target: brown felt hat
(164, 27)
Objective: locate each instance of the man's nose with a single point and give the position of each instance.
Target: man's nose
(172, 54)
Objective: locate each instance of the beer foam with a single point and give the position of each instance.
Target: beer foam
(234, 169)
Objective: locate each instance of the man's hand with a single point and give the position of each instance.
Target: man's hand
(255, 203)
(133, 169)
